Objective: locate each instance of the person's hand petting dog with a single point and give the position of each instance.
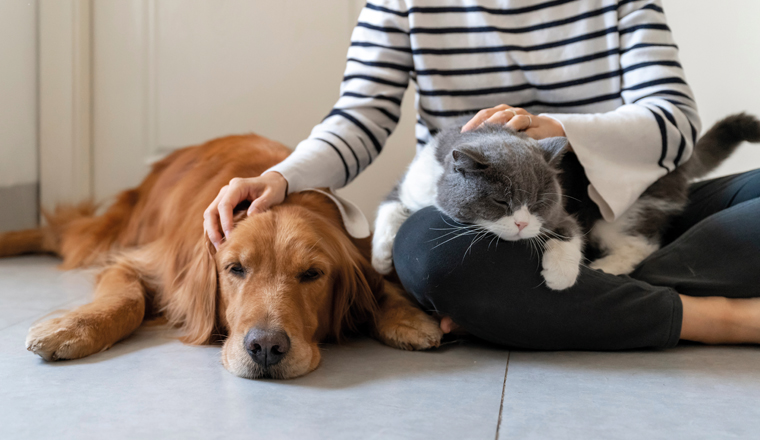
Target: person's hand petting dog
(263, 191)
(535, 126)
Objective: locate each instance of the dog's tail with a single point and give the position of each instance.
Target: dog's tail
(46, 239)
(720, 142)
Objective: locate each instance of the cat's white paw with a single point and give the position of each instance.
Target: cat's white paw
(390, 216)
(616, 264)
(382, 261)
(562, 263)
(624, 250)
(382, 250)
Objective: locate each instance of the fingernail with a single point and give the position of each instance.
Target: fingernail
(226, 233)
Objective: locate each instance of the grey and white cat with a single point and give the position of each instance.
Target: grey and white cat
(506, 183)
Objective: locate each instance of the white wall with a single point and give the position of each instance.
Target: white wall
(173, 73)
(720, 50)
(169, 73)
(18, 114)
(18, 93)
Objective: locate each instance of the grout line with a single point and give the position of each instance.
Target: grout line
(503, 389)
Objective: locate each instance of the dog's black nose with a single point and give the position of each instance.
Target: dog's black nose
(266, 346)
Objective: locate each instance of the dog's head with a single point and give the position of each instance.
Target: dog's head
(283, 281)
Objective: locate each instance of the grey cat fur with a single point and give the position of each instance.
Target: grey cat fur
(483, 175)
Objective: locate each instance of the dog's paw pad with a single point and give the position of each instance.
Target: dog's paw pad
(58, 339)
(420, 333)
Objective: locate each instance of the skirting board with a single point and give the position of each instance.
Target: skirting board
(19, 207)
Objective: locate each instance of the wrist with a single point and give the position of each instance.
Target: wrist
(279, 180)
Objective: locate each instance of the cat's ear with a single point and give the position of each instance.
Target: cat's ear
(553, 149)
(467, 161)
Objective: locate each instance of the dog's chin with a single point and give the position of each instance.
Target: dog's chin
(302, 359)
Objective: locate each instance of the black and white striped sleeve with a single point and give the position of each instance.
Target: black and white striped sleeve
(654, 131)
(368, 110)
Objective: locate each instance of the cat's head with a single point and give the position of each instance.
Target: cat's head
(500, 179)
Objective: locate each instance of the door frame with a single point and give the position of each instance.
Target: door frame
(65, 101)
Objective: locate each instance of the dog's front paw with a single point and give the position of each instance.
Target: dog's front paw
(615, 264)
(561, 263)
(410, 329)
(62, 338)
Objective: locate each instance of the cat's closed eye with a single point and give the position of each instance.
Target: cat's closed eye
(505, 203)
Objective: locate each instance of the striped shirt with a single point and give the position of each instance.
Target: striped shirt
(607, 70)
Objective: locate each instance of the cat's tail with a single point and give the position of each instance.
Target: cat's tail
(720, 142)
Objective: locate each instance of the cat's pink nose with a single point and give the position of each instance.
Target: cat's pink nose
(521, 225)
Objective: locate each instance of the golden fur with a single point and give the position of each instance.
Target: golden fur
(157, 260)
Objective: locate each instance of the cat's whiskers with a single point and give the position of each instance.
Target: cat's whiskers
(455, 229)
(495, 237)
(468, 230)
(535, 250)
(561, 195)
(479, 236)
(554, 234)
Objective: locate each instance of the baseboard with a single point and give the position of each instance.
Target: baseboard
(19, 207)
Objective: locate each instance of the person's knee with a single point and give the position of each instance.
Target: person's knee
(449, 266)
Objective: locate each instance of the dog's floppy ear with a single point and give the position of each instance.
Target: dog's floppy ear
(356, 288)
(194, 295)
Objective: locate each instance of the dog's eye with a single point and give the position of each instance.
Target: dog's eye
(236, 269)
(310, 275)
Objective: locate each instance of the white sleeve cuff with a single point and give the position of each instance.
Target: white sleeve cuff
(619, 152)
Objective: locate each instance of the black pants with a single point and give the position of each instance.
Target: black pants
(494, 288)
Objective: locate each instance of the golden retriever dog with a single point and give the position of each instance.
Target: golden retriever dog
(282, 282)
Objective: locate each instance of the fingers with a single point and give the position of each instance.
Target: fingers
(263, 191)
(543, 127)
(520, 122)
(513, 117)
(262, 203)
(482, 116)
(503, 117)
(211, 219)
(237, 191)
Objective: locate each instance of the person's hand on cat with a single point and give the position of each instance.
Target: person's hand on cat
(537, 127)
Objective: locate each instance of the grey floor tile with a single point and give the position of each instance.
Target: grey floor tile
(35, 283)
(152, 386)
(690, 392)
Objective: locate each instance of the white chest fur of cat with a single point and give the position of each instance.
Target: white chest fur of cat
(496, 180)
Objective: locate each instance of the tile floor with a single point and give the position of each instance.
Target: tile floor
(151, 386)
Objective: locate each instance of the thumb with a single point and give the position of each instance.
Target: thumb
(261, 204)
